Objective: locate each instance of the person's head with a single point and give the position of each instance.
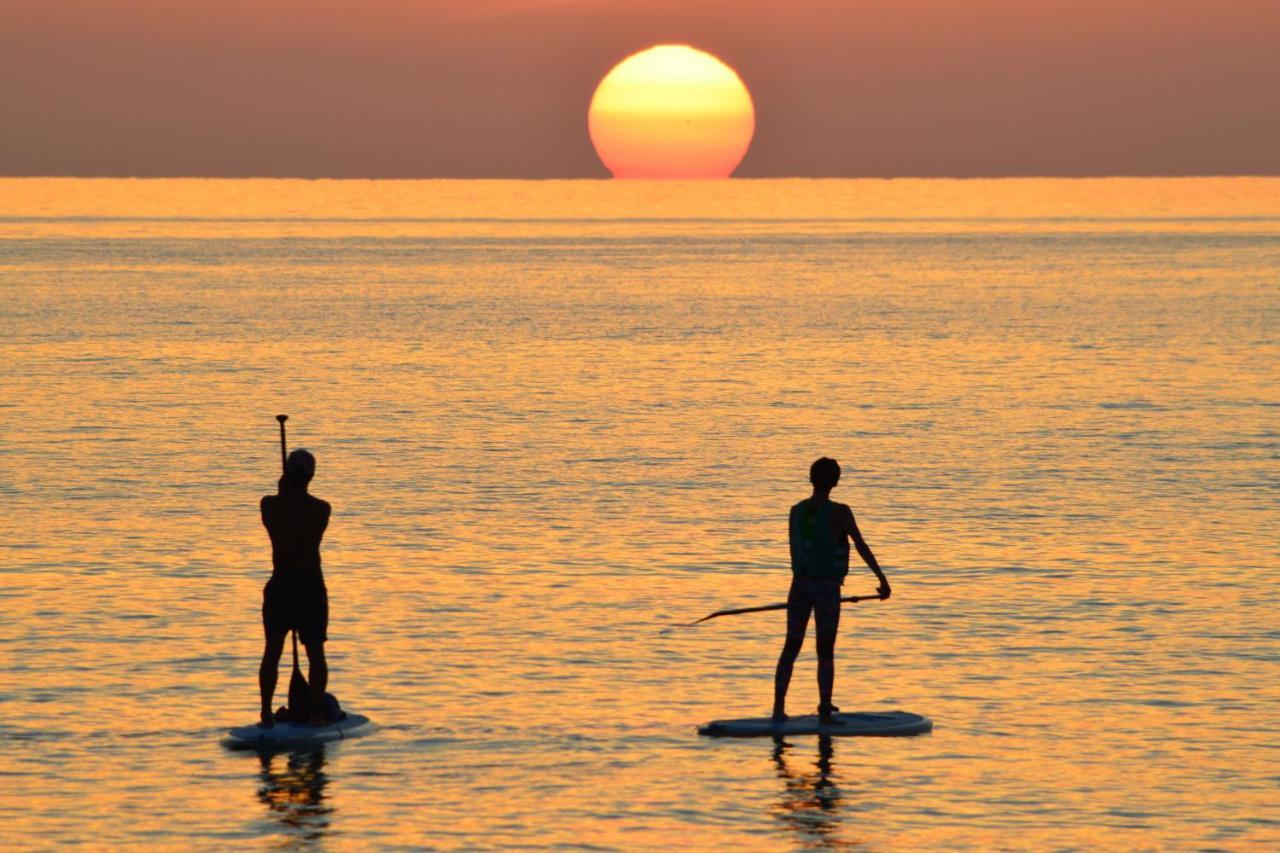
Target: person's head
(300, 467)
(824, 474)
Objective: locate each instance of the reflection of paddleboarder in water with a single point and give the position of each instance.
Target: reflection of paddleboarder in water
(811, 801)
(295, 599)
(296, 791)
(820, 530)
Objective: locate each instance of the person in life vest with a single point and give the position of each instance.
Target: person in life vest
(820, 531)
(295, 598)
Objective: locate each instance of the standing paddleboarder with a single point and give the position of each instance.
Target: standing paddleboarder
(820, 531)
(295, 599)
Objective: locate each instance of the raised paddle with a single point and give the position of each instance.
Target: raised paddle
(299, 692)
(853, 599)
(284, 460)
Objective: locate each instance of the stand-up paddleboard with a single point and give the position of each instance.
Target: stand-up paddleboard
(291, 735)
(863, 723)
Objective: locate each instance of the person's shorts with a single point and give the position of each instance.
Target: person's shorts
(821, 596)
(296, 604)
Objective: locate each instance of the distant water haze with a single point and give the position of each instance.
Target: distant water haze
(557, 419)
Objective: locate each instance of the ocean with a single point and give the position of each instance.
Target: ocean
(558, 421)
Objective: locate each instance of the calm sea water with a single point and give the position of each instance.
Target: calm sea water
(557, 420)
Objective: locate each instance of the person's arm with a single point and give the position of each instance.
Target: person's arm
(864, 551)
(793, 538)
(325, 512)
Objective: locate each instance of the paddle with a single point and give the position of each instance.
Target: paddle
(284, 460)
(299, 693)
(853, 599)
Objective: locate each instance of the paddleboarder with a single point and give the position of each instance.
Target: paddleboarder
(820, 531)
(295, 598)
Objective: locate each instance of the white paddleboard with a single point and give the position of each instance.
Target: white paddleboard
(863, 723)
(289, 735)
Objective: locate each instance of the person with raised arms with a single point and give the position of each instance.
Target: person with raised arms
(820, 531)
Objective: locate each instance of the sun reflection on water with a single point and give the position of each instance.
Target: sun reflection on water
(555, 418)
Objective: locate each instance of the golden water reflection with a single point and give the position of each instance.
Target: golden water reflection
(553, 419)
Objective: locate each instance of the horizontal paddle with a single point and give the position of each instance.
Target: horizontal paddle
(853, 599)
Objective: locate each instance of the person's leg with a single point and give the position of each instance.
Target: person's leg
(798, 607)
(314, 634)
(826, 624)
(268, 672)
(317, 679)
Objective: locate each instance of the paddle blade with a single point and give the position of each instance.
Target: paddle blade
(738, 610)
(851, 599)
(299, 694)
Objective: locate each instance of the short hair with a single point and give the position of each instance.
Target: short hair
(824, 473)
(301, 466)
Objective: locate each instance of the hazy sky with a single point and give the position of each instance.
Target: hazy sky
(500, 88)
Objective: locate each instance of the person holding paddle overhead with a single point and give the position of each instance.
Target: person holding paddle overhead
(295, 598)
(820, 530)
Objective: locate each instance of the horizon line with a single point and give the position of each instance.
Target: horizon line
(731, 179)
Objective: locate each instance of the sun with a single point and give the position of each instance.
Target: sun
(671, 111)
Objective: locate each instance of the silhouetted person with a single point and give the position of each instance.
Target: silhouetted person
(820, 534)
(295, 599)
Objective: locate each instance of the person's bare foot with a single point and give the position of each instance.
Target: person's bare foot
(827, 716)
(779, 716)
(266, 721)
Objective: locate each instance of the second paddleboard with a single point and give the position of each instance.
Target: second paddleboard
(858, 723)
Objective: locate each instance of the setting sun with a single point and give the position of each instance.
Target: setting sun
(671, 112)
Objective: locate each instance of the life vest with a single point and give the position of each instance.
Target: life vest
(818, 549)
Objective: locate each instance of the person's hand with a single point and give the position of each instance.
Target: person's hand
(884, 590)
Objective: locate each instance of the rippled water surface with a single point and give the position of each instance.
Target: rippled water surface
(558, 420)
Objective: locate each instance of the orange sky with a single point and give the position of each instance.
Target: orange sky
(500, 88)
